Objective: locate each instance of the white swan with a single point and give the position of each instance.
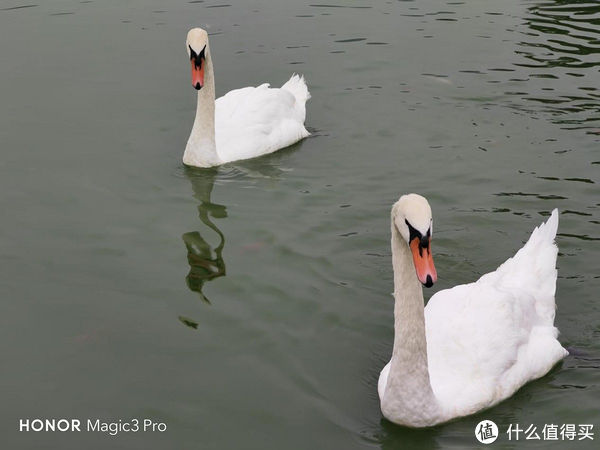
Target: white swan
(244, 123)
(475, 344)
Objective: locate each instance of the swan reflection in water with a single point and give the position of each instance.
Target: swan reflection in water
(206, 262)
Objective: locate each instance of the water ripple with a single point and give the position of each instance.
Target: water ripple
(561, 39)
(341, 6)
(12, 8)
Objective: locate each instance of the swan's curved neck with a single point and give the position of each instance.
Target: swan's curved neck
(201, 149)
(408, 397)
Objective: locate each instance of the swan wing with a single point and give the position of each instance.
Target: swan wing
(382, 382)
(255, 121)
(488, 338)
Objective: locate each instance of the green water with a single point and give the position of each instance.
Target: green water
(249, 307)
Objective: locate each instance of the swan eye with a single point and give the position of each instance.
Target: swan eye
(425, 239)
(197, 57)
(415, 234)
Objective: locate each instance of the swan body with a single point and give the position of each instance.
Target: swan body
(474, 345)
(245, 123)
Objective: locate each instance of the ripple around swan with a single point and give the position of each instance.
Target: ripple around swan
(526, 194)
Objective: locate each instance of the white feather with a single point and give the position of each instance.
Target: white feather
(488, 338)
(255, 121)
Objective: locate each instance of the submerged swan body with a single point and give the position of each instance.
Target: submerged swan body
(473, 345)
(244, 123)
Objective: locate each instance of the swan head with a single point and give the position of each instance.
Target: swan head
(411, 215)
(197, 48)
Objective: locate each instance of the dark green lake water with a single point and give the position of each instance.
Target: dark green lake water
(249, 307)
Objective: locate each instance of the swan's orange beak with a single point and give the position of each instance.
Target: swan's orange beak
(198, 74)
(198, 61)
(423, 260)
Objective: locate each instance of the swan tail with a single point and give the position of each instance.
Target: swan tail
(297, 86)
(546, 232)
(539, 255)
(532, 270)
